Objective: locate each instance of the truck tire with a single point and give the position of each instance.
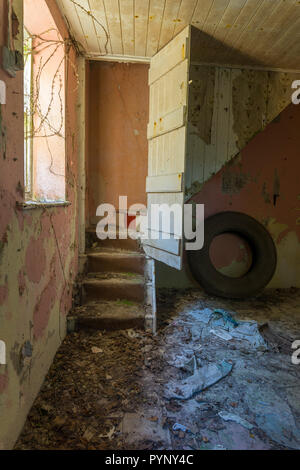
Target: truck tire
(264, 257)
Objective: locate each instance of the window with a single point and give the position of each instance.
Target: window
(44, 105)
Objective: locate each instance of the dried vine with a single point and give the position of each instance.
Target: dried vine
(43, 125)
(89, 13)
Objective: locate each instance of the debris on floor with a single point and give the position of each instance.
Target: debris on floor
(201, 379)
(223, 324)
(235, 418)
(276, 340)
(184, 389)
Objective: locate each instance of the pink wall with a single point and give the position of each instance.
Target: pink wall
(38, 255)
(118, 111)
(263, 182)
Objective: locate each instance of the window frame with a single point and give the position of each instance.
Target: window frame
(28, 116)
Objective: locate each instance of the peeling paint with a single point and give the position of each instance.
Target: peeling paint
(268, 166)
(43, 309)
(276, 187)
(3, 294)
(20, 356)
(31, 246)
(3, 382)
(202, 91)
(232, 183)
(258, 97)
(35, 251)
(265, 194)
(22, 283)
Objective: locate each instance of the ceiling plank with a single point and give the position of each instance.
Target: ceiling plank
(202, 10)
(274, 28)
(242, 21)
(185, 15)
(127, 25)
(214, 16)
(262, 11)
(261, 22)
(98, 11)
(141, 16)
(227, 21)
(112, 9)
(229, 18)
(169, 21)
(87, 24)
(156, 12)
(287, 42)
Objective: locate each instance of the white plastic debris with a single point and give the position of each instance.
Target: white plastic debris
(248, 331)
(202, 379)
(235, 418)
(219, 447)
(204, 315)
(221, 334)
(180, 427)
(223, 324)
(109, 435)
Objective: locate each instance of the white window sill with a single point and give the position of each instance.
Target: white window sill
(31, 205)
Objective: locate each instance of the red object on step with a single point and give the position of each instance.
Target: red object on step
(130, 218)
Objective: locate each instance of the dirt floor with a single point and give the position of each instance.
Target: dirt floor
(201, 383)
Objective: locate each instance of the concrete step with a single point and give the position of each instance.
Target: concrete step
(107, 315)
(114, 286)
(92, 241)
(117, 261)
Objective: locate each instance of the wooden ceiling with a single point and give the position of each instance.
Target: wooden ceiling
(266, 31)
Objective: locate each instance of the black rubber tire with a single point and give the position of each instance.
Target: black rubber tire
(264, 257)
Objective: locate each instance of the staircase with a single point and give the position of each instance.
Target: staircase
(114, 287)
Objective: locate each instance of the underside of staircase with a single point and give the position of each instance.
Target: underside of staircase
(114, 285)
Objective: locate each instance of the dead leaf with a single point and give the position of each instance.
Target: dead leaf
(59, 422)
(89, 434)
(154, 419)
(96, 350)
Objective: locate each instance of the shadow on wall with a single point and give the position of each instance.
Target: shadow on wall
(207, 49)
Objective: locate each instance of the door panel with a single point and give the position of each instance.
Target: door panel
(167, 134)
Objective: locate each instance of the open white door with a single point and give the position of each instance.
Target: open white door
(167, 136)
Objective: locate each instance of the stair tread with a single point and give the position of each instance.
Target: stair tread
(118, 309)
(95, 278)
(111, 232)
(105, 252)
